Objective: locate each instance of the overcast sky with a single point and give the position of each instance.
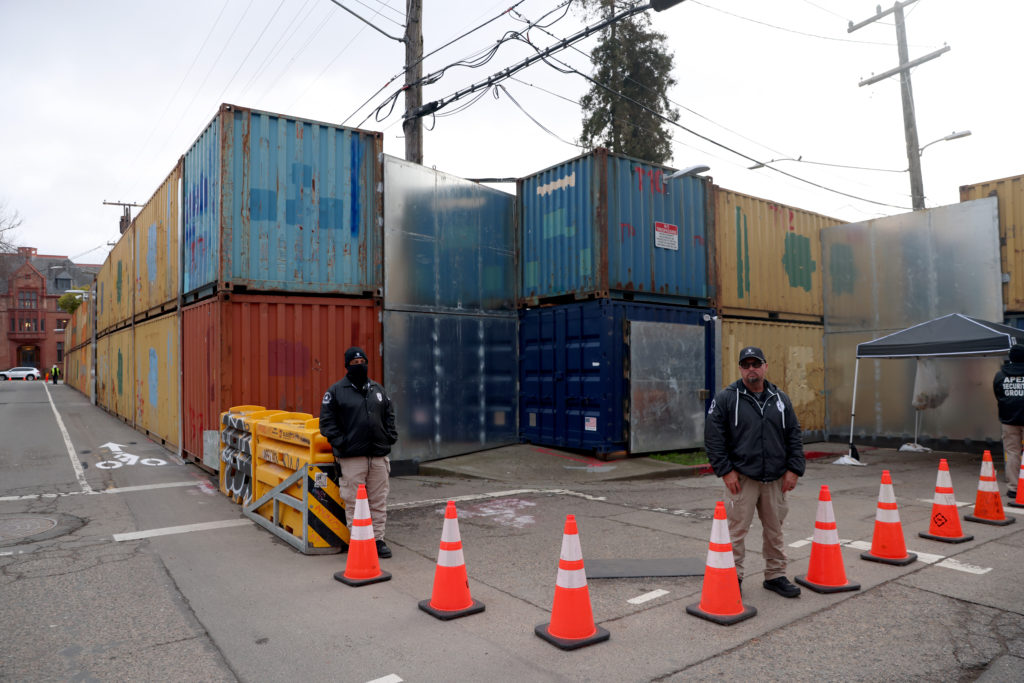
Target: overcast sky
(101, 98)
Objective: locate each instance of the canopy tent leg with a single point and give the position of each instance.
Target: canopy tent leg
(851, 457)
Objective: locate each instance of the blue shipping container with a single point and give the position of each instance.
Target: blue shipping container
(274, 203)
(605, 225)
(579, 383)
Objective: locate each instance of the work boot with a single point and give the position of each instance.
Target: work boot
(384, 552)
(783, 587)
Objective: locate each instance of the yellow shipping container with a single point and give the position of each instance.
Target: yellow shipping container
(156, 249)
(767, 257)
(156, 378)
(77, 366)
(1010, 195)
(114, 284)
(796, 362)
(115, 373)
(79, 330)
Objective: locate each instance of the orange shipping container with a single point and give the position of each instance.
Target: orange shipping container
(1010, 195)
(282, 352)
(156, 249)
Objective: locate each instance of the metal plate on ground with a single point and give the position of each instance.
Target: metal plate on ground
(22, 528)
(631, 568)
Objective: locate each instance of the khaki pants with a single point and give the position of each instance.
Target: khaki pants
(374, 473)
(770, 503)
(1012, 435)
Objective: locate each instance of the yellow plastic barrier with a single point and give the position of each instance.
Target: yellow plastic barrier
(295, 494)
(236, 450)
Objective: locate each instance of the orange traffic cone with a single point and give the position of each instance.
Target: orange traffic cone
(720, 599)
(572, 621)
(1018, 502)
(825, 573)
(988, 506)
(945, 524)
(887, 544)
(451, 596)
(362, 565)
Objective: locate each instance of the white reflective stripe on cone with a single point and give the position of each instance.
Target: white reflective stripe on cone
(571, 578)
(825, 513)
(988, 486)
(362, 509)
(886, 495)
(943, 481)
(362, 533)
(450, 531)
(826, 536)
(571, 549)
(720, 531)
(944, 499)
(889, 516)
(986, 469)
(720, 560)
(450, 558)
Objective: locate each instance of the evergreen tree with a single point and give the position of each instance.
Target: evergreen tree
(633, 60)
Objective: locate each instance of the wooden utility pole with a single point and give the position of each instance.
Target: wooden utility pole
(909, 118)
(413, 125)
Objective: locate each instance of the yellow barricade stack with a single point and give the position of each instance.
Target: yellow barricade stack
(295, 494)
(236, 450)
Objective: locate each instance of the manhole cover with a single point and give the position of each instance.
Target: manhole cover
(12, 528)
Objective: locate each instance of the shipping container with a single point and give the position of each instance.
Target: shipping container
(77, 369)
(605, 225)
(282, 352)
(611, 377)
(115, 376)
(767, 257)
(114, 285)
(1010, 195)
(156, 249)
(156, 378)
(796, 362)
(280, 204)
(453, 378)
(437, 225)
(79, 330)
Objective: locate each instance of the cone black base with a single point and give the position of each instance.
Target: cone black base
(599, 636)
(723, 619)
(820, 588)
(445, 615)
(1015, 504)
(383, 576)
(898, 561)
(996, 522)
(946, 539)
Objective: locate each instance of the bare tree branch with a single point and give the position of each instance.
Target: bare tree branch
(10, 221)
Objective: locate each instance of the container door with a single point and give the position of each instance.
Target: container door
(666, 386)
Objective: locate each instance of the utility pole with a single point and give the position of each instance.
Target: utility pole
(909, 117)
(413, 125)
(126, 217)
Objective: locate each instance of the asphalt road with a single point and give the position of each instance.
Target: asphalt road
(81, 601)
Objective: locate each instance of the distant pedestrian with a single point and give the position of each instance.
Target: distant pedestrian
(1008, 386)
(753, 443)
(358, 420)
(54, 372)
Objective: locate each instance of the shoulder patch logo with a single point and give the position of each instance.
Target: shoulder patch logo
(327, 397)
(711, 408)
(379, 397)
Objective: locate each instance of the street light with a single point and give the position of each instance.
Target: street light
(952, 136)
(762, 164)
(689, 171)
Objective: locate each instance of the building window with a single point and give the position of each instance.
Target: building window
(61, 325)
(42, 324)
(60, 351)
(27, 325)
(27, 300)
(63, 283)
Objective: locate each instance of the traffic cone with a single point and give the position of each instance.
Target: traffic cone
(1018, 502)
(572, 621)
(988, 506)
(887, 544)
(720, 599)
(362, 566)
(825, 573)
(451, 596)
(945, 524)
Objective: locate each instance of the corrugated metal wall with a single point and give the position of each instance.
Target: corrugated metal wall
(77, 367)
(115, 377)
(796, 362)
(1010, 195)
(602, 224)
(282, 352)
(156, 249)
(767, 256)
(275, 203)
(157, 376)
(114, 284)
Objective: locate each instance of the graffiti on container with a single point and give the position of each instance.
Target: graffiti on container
(120, 373)
(505, 511)
(627, 228)
(798, 262)
(842, 269)
(286, 358)
(565, 181)
(120, 280)
(151, 251)
(785, 213)
(196, 203)
(654, 175)
(742, 255)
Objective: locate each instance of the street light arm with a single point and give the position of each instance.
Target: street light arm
(955, 135)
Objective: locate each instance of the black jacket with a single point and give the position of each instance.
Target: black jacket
(358, 423)
(759, 441)
(1009, 388)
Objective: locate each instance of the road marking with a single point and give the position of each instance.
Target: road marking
(1015, 511)
(927, 558)
(931, 501)
(641, 599)
(183, 529)
(488, 496)
(75, 462)
(950, 563)
(123, 489)
(390, 678)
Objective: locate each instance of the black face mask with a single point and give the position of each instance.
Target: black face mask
(357, 374)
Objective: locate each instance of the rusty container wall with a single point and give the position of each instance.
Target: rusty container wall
(156, 378)
(156, 249)
(76, 370)
(767, 257)
(280, 204)
(796, 362)
(115, 390)
(79, 330)
(1010, 195)
(282, 352)
(605, 225)
(114, 285)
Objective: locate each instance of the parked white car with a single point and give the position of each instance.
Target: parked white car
(24, 372)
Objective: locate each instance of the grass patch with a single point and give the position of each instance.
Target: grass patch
(683, 458)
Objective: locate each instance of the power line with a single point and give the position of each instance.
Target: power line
(376, 13)
(253, 47)
(274, 48)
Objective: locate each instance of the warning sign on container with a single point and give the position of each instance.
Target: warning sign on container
(590, 424)
(666, 236)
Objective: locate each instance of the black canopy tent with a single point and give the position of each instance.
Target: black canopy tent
(950, 335)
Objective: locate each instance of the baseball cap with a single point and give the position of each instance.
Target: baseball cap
(752, 352)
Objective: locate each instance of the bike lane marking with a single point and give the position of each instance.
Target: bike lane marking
(183, 529)
(75, 462)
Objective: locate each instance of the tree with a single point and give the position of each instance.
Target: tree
(9, 222)
(69, 302)
(632, 60)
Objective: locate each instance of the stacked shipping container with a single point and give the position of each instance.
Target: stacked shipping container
(1009, 193)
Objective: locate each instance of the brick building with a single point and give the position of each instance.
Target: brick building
(30, 285)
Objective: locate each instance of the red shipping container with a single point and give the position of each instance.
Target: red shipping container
(280, 352)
